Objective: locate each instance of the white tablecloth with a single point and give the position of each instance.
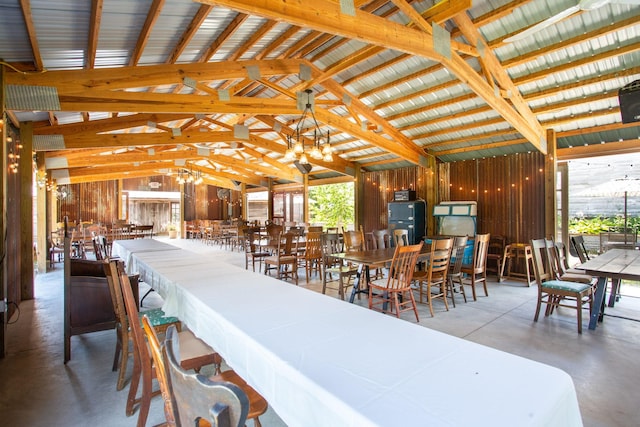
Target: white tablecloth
(320, 361)
(124, 249)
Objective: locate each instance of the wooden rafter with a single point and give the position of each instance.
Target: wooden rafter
(326, 16)
(143, 37)
(94, 30)
(25, 5)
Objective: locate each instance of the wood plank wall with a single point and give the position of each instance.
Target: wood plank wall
(378, 189)
(95, 202)
(509, 191)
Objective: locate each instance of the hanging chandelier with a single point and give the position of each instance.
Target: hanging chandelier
(189, 176)
(319, 150)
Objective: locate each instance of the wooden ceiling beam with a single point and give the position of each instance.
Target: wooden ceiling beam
(326, 16)
(631, 146)
(81, 81)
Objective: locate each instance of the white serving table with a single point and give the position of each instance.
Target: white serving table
(320, 361)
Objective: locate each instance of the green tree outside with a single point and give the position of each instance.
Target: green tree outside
(332, 205)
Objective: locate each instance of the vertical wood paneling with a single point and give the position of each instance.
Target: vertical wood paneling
(95, 202)
(509, 191)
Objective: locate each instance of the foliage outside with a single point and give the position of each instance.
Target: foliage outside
(601, 224)
(332, 205)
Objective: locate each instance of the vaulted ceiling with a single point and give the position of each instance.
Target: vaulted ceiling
(120, 88)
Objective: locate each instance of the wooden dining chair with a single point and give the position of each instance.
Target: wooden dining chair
(454, 277)
(558, 270)
(354, 241)
(382, 238)
(113, 269)
(433, 280)
(252, 249)
(255, 405)
(223, 400)
(400, 237)
(476, 272)
(285, 258)
(557, 293)
(333, 266)
(577, 244)
(396, 289)
(311, 259)
(195, 355)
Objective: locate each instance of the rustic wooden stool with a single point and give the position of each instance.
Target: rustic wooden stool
(513, 253)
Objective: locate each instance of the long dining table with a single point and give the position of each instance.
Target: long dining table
(616, 264)
(320, 361)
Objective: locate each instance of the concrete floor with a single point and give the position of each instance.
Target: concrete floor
(37, 389)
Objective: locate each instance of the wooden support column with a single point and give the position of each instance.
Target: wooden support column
(25, 175)
(3, 215)
(550, 170)
(359, 202)
(182, 231)
(305, 198)
(41, 216)
(243, 200)
(430, 177)
(270, 199)
(563, 169)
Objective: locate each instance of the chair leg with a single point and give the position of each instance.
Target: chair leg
(473, 286)
(415, 307)
(535, 318)
(579, 310)
(124, 350)
(133, 386)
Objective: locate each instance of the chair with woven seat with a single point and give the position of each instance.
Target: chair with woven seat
(333, 266)
(160, 321)
(187, 388)
(477, 270)
(557, 293)
(434, 278)
(396, 289)
(285, 258)
(195, 355)
(455, 269)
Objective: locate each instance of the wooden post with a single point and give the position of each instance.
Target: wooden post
(550, 170)
(359, 204)
(3, 215)
(25, 175)
(41, 215)
(270, 199)
(305, 198)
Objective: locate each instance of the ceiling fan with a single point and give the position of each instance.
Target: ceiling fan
(582, 5)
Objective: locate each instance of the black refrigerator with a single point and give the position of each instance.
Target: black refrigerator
(409, 216)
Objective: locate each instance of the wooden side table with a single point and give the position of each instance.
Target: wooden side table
(512, 254)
